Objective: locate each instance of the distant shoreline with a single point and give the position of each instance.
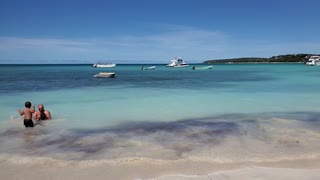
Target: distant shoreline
(163, 64)
(259, 63)
(288, 58)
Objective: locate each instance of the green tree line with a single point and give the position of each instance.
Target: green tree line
(288, 58)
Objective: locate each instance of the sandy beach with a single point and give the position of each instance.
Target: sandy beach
(43, 168)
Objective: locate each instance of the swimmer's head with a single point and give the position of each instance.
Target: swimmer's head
(41, 107)
(27, 104)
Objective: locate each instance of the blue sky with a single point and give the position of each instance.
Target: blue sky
(133, 31)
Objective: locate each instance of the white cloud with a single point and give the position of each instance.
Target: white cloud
(17, 43)
(191, 43)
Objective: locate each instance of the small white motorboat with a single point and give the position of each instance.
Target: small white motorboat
(105, 75)
(103, 65)
(148, 68)
(202, 68)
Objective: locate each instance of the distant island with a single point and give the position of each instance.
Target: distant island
(289, 58)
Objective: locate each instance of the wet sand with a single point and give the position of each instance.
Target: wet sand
(157, 169)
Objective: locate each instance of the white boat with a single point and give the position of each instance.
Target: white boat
(177, 62)
(202, 68)
(313, 61)
(105, 75)
(148, 68)
(104, 65)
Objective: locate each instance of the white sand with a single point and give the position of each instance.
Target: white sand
(254, 173)
(162, 170)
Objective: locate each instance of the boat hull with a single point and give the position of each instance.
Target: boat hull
(185, 65)
(105, 75)
(148, 68)
(202, 68)
(104, 65)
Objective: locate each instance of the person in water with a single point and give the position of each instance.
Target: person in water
(42, 114)
(27, 114)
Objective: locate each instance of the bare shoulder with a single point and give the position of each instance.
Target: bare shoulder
(47, 113)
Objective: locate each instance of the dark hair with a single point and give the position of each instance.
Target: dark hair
(27, 104)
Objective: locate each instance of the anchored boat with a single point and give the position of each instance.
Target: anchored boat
(148, 68)
(201, 68)
(103, 65)
(177, 62)
(105, 75)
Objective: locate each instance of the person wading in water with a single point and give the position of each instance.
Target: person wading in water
(27, 114)
(42, 114)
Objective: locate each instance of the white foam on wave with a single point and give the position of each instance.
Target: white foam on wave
(39, 161)
(252, 173)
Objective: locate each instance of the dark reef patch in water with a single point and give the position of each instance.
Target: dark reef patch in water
(178, 137)
(146, 128)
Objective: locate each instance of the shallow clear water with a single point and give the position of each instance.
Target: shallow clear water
(228, 113)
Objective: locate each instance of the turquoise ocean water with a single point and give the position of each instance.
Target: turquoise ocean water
(231, 113)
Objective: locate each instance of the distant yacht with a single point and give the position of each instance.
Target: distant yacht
(177, 62)
(104, 65)
(313, 61)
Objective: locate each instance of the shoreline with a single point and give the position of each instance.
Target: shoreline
(141, 168)
(253, 173)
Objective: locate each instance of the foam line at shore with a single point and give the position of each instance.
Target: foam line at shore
(252, 173)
